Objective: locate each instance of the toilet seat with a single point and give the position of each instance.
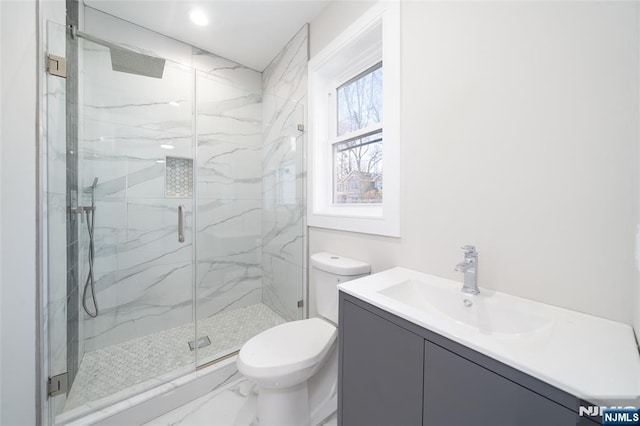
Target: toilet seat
(291, 349)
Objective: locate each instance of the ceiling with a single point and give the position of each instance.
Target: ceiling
(250, 32)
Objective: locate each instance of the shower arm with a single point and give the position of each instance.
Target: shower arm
(75, 33)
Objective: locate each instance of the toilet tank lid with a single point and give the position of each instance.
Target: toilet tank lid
(339, 265)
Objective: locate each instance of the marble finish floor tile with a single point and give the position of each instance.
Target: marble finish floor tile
(234, 405)
(140, 361)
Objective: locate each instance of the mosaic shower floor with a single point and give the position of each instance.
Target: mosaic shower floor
(142, 363)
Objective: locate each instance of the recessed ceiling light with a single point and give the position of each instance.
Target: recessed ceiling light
(167, 146)
(174, 103)
(198, 17)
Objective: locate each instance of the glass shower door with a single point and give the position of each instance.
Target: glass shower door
(131, 153)
(123, 188)
(283, 169)
(229, 272)
(55, 223)
(250, 202)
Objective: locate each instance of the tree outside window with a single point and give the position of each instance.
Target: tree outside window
(358, 152)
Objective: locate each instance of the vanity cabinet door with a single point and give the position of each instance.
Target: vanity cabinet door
(381, 371)
(460, 392)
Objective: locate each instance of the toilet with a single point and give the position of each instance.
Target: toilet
(295, 364)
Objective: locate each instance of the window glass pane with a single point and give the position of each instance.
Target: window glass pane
(360, 101)
(358, 170)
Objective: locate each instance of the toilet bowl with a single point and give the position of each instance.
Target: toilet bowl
(287, 354)
(295, 364)
(280, 361)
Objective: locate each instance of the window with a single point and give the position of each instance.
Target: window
(357, 148)
(354, 109)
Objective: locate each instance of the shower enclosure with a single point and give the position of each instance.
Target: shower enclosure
(174, 212)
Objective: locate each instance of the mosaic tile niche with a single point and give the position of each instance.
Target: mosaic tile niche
(179, 177)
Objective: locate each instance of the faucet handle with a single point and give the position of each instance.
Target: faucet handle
(469, 251)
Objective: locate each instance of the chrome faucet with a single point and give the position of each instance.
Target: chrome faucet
(470, 269)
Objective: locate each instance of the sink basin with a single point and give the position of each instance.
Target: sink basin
(489, 312)
(580, 354)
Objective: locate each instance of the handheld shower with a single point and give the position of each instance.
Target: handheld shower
(93, 190)
(90, 213)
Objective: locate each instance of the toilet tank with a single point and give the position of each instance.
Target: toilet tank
(329, 270)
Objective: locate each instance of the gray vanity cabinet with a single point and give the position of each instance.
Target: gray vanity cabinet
(395, 373)
(374, 390)
(460, 392)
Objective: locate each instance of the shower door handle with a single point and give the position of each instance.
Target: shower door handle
(181, 224)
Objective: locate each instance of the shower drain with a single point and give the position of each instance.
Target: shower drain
(202, 342)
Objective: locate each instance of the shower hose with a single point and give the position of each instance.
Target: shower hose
(90, 214)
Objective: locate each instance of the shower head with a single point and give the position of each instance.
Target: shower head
(95, 182)
(124, 60)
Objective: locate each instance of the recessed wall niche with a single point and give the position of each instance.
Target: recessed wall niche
(178, 177)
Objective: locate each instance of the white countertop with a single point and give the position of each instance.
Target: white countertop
(589, 357)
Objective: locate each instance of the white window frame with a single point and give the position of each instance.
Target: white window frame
(373, 38)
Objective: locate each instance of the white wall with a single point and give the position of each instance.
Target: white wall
(519, 135)
(636, 323)
(334, 19)
(18, 219)
(1, 205)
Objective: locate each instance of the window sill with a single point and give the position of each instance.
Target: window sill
(362, 219)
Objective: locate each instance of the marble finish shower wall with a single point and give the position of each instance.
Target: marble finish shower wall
(144, 276)
(229, 125)
(284, 84)
(248, 187)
